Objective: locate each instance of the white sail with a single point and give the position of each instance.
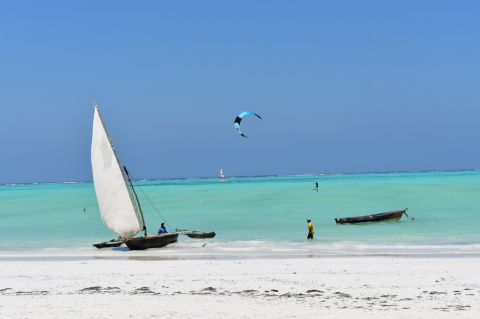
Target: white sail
(116, 206)
(221, 175)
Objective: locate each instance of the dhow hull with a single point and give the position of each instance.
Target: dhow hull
(153, 241)
(392, 215)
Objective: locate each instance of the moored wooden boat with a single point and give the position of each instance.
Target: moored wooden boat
(110, 243)
(201, 235)
(391, 215)
(153, 241)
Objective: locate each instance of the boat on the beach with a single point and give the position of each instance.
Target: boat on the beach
(118, 202)
(391, 215)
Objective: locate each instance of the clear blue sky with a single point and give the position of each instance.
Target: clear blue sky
(342, 86)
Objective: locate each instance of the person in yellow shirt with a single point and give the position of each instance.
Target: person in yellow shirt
(310, 229)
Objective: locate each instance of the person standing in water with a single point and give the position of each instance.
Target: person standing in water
(316, 186)
(310, 229)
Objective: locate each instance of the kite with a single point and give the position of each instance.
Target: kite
(239, 119)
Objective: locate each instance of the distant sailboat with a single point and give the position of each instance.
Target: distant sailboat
(118, 202)
(221, 175)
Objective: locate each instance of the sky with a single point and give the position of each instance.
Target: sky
(341, 86)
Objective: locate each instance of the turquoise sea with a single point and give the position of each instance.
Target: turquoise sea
(260, 214)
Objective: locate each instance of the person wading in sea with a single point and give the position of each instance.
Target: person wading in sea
(316, 186)
(310, 229)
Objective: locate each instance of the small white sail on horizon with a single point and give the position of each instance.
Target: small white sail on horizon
(113, 195)
(221, 175)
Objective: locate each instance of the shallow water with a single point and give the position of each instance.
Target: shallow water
(261, 213)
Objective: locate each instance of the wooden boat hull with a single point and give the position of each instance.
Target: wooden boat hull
(392, 215)
(111, 243)
(153, 241)
(202, 235)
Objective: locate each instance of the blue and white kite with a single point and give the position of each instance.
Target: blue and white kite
(240, 117)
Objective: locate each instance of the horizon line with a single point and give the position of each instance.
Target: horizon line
(243, 176)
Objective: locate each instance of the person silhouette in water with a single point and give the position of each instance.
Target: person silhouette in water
(316, 186)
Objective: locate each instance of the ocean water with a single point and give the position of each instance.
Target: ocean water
(259, 215)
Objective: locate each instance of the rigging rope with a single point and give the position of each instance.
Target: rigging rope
(171, 229)
(408, 217)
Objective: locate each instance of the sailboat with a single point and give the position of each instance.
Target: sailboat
(118, 202)
(221, 175)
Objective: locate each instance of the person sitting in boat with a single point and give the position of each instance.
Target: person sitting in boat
(162, 229)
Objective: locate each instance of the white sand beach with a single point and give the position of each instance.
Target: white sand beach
(351, 287)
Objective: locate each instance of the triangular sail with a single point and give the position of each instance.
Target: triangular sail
(221, 175)
(113, 196)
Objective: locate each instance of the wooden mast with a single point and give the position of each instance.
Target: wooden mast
(121, 169)
(138, 202)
